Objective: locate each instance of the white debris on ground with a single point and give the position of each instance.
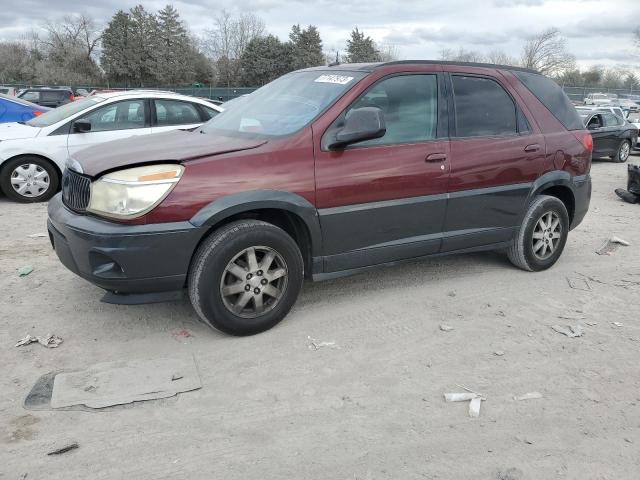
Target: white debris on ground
(49, 341)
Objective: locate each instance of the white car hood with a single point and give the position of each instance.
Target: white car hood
(13, 131)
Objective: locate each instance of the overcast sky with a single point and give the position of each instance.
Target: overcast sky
(598, 31)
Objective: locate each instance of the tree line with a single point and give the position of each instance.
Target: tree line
(140, 48)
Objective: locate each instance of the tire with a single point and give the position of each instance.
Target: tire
(529, 255)
(230, 247)
(41, 177)
(624, 150)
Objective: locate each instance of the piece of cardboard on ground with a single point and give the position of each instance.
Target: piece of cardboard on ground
(118, 383)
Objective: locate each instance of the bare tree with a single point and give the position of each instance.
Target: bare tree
(462, 55)
(499, 57)
(228, 39)
(547, 53)
(388, 53)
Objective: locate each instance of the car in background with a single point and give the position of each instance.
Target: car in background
(601, 99)
(33, 154)
(610, 108)
(634, 119)
(13, 109)
(6, 90)
(51, 97)
(612, 135)
(628, 105)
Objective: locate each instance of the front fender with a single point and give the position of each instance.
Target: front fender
(238, 203)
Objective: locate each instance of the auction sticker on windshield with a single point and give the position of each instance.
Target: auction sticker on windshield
(339, 79)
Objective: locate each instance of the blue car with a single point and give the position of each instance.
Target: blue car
(14, 109)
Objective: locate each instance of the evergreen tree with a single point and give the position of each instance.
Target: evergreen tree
(306, 46)
(361, 49)
(173, 59)
(116, 47)
(265, 59)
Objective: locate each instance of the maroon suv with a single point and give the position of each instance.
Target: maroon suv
(325, 172)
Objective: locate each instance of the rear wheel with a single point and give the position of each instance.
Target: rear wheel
(542, 235)
(622, 155)
(29, 179)
(245, 277)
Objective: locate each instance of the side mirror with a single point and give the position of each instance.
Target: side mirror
(82, 126)
(361, 124)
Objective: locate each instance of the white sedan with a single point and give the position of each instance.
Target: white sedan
(33, 154)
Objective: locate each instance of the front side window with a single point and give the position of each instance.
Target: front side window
(409, 104)
(611, 120)
(174, 112)
(482, 108)
(30, 96)
(123, 115)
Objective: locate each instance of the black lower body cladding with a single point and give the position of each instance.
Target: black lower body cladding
(123, 258)
(581, 188)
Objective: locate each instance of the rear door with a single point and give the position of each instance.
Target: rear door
(169, 114)
(114, 121)
(497, 152)
(384, 200)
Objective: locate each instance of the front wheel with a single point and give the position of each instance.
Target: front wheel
(542, 235)
(245, 277)
(29, 179)
(622, 155)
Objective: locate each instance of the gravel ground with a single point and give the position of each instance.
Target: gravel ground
(368, 407)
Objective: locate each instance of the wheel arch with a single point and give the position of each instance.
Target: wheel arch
(557, 184)
(288, 211)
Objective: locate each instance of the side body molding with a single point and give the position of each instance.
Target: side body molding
(237, 203)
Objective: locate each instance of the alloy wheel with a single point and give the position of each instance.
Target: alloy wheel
(254, 281)
(30, 180)
(625, 149)
(546, 235)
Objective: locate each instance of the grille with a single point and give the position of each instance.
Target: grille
(75, 190)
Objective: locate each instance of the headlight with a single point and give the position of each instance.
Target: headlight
(133, 192)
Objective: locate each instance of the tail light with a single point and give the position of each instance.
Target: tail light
(72, 98)
(37, 113)
(587, 141)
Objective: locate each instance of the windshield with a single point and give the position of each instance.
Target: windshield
(285, 105)
(634, 118)
(64, 111)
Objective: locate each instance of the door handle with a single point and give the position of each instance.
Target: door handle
(534, 147)
(436, 157)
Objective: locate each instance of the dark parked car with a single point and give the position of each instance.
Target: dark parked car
(325, 172)
(612, 136)
(13, 109)
(48, 97)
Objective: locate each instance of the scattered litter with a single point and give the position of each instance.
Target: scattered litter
(314, 344)
(571, 317)
(445, 328)
(579, 284)
(182, 335)
(510, 474)
(569, 330)
(591, 324)
(49, 341)
(474, 398)
(37, 235)
(522, 439)
(617, 324)
(24, 271)
(452, 294)
(176, 377)
(628, 440)
(65, 449)
(611, 245)
(500, 313)
(528, 396)
(498, 353)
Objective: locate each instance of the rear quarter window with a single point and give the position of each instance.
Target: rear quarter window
(553, 97)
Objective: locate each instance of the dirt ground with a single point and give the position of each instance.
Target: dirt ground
(369, 407)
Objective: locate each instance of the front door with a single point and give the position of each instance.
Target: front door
(496, 154)
(112, 122)
(384, 200)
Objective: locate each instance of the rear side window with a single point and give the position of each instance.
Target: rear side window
(53, 96)
(552, 97)
(173, 112)
(30, 96)
(482, 108)
(611, 120)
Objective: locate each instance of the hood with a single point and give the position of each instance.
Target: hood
(14, 131)
(177, 145)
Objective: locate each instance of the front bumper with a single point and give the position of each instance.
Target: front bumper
(126, 259)
(582, 197)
